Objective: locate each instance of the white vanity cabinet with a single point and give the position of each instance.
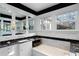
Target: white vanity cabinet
(22, 49)
(25, 48)
(9, 51)
(4, 51)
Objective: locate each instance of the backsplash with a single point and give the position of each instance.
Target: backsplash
(62, 34)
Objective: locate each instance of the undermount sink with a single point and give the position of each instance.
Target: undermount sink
(23, 41)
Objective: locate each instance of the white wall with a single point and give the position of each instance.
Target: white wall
(53, 14)
(74, 35)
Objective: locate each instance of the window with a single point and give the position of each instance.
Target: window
(66, 21)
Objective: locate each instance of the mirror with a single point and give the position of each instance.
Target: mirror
(46, 24)
(12, 19)
(20, 25)
(31, 24)
(0, 27)
(5, 20)
(6, 26)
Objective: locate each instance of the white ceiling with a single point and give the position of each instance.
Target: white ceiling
(38, 6)
(9, 10)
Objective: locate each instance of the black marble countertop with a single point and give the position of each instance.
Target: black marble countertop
(18, 40)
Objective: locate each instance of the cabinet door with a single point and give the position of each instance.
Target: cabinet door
(26, 49)
(4, 51)
(13, 50)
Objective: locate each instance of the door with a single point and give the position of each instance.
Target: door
(26, 49)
